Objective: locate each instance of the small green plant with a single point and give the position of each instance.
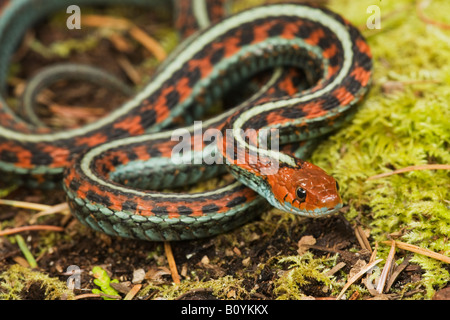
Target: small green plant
(103, 281)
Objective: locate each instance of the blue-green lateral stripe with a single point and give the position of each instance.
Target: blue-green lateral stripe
(160, 227)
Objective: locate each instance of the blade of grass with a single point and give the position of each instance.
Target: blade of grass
(26, 252)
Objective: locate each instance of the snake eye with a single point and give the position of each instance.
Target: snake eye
(301, 194)
(337, 186)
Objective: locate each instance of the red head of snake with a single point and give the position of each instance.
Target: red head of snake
(305, 190)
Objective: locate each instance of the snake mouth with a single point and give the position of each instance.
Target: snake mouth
(318, 212)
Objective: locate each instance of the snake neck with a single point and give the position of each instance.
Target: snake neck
(288, 183)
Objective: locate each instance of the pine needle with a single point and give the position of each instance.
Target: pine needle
(57, 208)
(386, 270)
(419, 250)
(412, 168)
(172, 264)
(130, 295)
(30, 228)
(124, 24)
(362, 239)
(421, 6)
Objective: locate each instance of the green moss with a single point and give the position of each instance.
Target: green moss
(223, 288)
(435, 275)
(303, 271)
(396, 128)
(15, 284)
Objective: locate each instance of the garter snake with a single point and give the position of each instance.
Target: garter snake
(110, 166)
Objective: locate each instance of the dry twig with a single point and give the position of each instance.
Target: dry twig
(95, 295)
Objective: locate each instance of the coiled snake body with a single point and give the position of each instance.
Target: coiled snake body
(110, 165)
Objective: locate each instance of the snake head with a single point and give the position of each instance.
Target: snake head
(305, 190)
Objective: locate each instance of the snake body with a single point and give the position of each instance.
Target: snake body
(111, 165)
